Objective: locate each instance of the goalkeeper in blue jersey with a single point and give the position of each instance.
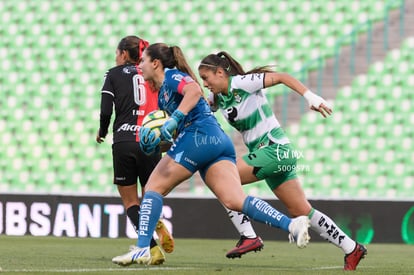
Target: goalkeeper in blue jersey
(125, 92)
(271, 157)
(201, 145)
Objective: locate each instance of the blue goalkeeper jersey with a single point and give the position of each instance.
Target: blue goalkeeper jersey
(171, 94)
(200, 142)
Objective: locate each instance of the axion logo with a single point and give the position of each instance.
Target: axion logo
(128, 127)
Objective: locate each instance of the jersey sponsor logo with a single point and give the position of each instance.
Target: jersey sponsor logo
(177, 77)
(231, 114)
(128, 127)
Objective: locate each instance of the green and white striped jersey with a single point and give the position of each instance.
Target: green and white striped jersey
(246, 108)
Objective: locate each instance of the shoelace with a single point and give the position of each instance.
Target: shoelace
(240, 242)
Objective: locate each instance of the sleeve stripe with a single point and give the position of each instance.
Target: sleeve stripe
(181, 86)
(108, 92)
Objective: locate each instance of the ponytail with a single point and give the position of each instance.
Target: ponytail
(181, 62)
(170, 57)
(134, 46)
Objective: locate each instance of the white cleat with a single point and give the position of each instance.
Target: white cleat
(135, 255)
(298, 229)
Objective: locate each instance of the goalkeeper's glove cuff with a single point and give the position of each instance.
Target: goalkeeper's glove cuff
(178, 116)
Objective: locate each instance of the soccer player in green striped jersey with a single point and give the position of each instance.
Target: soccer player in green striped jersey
(239, 96)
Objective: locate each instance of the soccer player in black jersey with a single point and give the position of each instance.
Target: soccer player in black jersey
(125, 91)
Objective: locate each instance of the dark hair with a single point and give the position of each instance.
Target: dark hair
(170, 57)
(134, 46)
(228, 64)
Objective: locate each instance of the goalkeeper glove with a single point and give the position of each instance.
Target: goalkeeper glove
(169, 127)
(148, 141)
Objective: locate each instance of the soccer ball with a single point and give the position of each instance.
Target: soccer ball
(154, 120)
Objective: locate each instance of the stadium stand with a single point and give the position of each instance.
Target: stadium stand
(363, 150)
(54, 54)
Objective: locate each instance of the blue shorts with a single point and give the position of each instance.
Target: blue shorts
(200, 145)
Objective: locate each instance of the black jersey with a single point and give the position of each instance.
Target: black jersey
(125, 90)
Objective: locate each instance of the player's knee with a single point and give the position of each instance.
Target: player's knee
(233, 205)
(299, 210)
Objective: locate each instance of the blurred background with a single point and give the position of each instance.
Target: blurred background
(359, 55)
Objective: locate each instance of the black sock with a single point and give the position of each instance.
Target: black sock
(133, 215)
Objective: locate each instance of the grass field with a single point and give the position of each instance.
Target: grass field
(50, 255)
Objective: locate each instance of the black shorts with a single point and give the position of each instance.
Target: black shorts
(130, 164)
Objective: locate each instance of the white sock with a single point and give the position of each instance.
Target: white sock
(242, 223)
(328, 230)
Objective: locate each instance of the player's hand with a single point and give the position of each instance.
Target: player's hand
(99, 139)
(318, 104)
(169, 127)
(148, 141)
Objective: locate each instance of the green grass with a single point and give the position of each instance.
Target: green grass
(50, 255)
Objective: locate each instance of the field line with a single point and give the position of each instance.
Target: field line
(80, 270)
(129, 269)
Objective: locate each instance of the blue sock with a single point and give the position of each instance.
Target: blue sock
(261, 211)
(149, 215)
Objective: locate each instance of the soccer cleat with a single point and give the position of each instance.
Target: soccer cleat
(135, 255)
(245, 245)
(157, 256)
(298, 229)
(124, 259)
(165, 237)
(352, 259)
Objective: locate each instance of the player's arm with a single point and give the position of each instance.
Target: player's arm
(316, 102)
(272, 79)
(191, 95)
(105, 116)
